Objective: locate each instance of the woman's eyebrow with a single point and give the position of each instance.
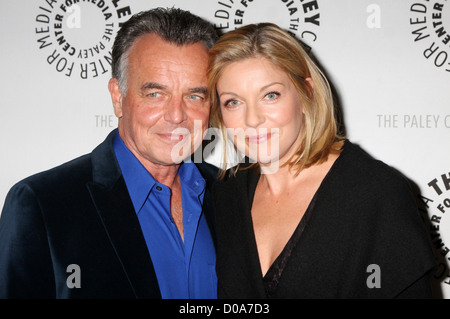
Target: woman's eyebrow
(262, 89)
(269, 85)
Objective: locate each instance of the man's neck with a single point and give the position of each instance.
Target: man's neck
(164, 174)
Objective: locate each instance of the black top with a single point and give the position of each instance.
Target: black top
(363, 214)
(273, 274)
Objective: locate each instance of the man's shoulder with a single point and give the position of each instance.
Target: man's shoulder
(74, 171)
(77, 171)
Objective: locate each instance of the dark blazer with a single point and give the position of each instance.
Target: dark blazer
(364, 214)
(78, 213)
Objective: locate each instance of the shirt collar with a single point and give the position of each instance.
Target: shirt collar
(191, 177)
(140, 182)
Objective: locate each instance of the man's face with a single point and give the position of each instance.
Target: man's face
(166, 93)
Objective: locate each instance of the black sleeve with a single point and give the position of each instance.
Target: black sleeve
(25, 264)
(421, 289)
(403, 243)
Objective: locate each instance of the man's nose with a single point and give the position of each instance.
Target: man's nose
(175, 111)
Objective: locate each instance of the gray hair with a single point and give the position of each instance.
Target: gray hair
(173, 25)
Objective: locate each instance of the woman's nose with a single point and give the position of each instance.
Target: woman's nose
(253, 117)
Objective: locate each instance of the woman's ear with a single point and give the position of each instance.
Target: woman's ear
(310, 83)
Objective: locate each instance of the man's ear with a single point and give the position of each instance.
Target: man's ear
(116, 96)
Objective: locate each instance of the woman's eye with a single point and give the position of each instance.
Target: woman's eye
(272, 95)
(231, 103)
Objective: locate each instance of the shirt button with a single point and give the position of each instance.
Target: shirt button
(158, 188)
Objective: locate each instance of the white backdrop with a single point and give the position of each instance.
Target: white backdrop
(388, 60)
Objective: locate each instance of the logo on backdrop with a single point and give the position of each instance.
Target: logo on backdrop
(301, 19)
(77, 36)
(437, 206)
(430, 23)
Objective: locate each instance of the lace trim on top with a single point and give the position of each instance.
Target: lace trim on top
(273, 275)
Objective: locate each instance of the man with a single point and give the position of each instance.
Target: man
(128, 220)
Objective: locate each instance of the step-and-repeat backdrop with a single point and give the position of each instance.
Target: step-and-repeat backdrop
(388, 61)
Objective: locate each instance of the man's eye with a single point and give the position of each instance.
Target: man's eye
(195, 97)
(154, 94)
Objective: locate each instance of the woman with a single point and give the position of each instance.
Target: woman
(312, 216)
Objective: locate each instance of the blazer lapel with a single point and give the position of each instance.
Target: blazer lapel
(209, 173)
(110, 196)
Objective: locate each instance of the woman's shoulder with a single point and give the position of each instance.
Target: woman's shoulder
(358, 165)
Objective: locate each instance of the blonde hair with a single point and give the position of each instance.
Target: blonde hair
(320, 134)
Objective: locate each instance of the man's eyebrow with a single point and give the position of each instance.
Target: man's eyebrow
(152, 86)
(158, 86)
(201, 90)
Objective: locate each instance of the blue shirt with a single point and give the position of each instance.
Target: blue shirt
(185, 270)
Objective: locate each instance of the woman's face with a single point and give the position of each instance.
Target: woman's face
(261, 110)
